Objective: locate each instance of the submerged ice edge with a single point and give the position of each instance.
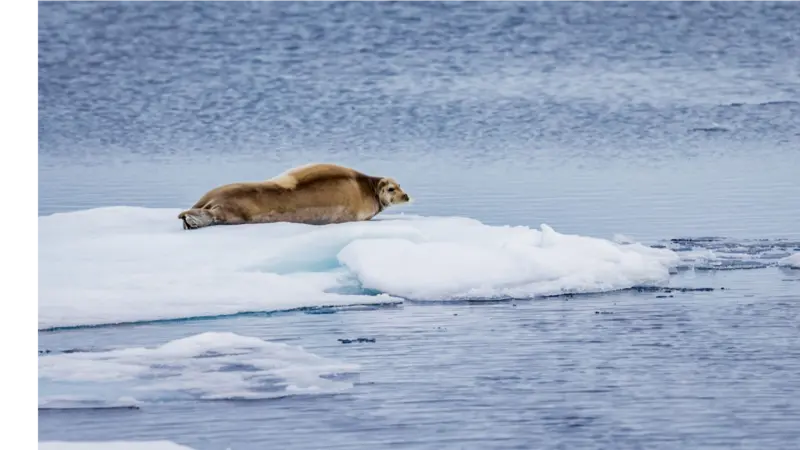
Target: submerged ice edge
(325, 309)
(390, 302)
(331, 309)
(120, 266)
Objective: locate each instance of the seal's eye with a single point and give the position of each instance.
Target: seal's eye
(391, 189)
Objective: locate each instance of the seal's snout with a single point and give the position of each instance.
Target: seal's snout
(405, 197)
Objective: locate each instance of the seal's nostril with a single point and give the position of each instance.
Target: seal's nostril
(405, 196)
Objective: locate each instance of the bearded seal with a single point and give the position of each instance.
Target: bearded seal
(316, 194)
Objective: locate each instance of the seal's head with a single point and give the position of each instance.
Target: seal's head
(390, 193)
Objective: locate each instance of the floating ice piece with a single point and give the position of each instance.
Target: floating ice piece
(792, 261)
(127, 264)
(207, 366)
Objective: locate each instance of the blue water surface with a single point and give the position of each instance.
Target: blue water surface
(656, 121)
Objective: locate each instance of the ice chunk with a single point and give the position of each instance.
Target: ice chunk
(207, 366)
(125, 264)
(792, 261)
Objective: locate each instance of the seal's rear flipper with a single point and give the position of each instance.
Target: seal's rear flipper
(196, 218)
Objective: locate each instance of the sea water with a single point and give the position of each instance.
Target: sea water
(602, 251)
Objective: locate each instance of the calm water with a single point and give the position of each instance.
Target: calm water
(653, 120)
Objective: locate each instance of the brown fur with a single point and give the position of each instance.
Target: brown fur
(314, 194)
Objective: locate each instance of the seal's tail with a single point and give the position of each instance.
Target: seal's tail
(196, 218)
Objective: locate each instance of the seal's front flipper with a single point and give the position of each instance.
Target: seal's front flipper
(196, 218)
